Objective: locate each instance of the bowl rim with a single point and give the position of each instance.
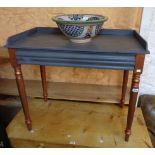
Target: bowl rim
(103, 19)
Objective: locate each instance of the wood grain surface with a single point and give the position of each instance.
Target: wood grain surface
(77, 124)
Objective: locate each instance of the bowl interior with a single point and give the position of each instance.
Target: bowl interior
(79, 18)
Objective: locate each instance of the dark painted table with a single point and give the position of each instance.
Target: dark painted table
(111, 49)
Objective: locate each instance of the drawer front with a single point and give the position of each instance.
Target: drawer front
(76, 59)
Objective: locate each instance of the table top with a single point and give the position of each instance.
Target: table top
(108, 41)
(111, 49)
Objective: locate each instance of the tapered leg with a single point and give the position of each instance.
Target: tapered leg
(22, 94)
(21, 87)
(124, 87)
(133, 94)
(44, 82)
(132, 104)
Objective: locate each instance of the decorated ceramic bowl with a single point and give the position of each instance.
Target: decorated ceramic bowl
(80, 28)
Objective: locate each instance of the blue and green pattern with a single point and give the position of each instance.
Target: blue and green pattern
(98, 28)
(72, 30)
(76, 17)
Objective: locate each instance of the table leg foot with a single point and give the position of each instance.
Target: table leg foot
(28, 124)
(127, 135)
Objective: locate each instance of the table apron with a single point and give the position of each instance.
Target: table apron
(76, 59)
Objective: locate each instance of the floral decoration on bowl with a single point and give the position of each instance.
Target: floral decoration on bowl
(80, 28)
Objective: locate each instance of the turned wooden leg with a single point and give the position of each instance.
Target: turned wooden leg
(132, 104)
(21, 87)
(133, 94)
(44, 83)
(22, 93)
(124, 87)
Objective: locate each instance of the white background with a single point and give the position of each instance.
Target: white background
(147, 85)
(147, 30)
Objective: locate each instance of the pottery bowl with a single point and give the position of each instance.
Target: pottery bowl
(80, 28)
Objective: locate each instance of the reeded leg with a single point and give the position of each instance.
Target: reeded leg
(133, 94)
(124, 87)
(21, 87)
(44, 83)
